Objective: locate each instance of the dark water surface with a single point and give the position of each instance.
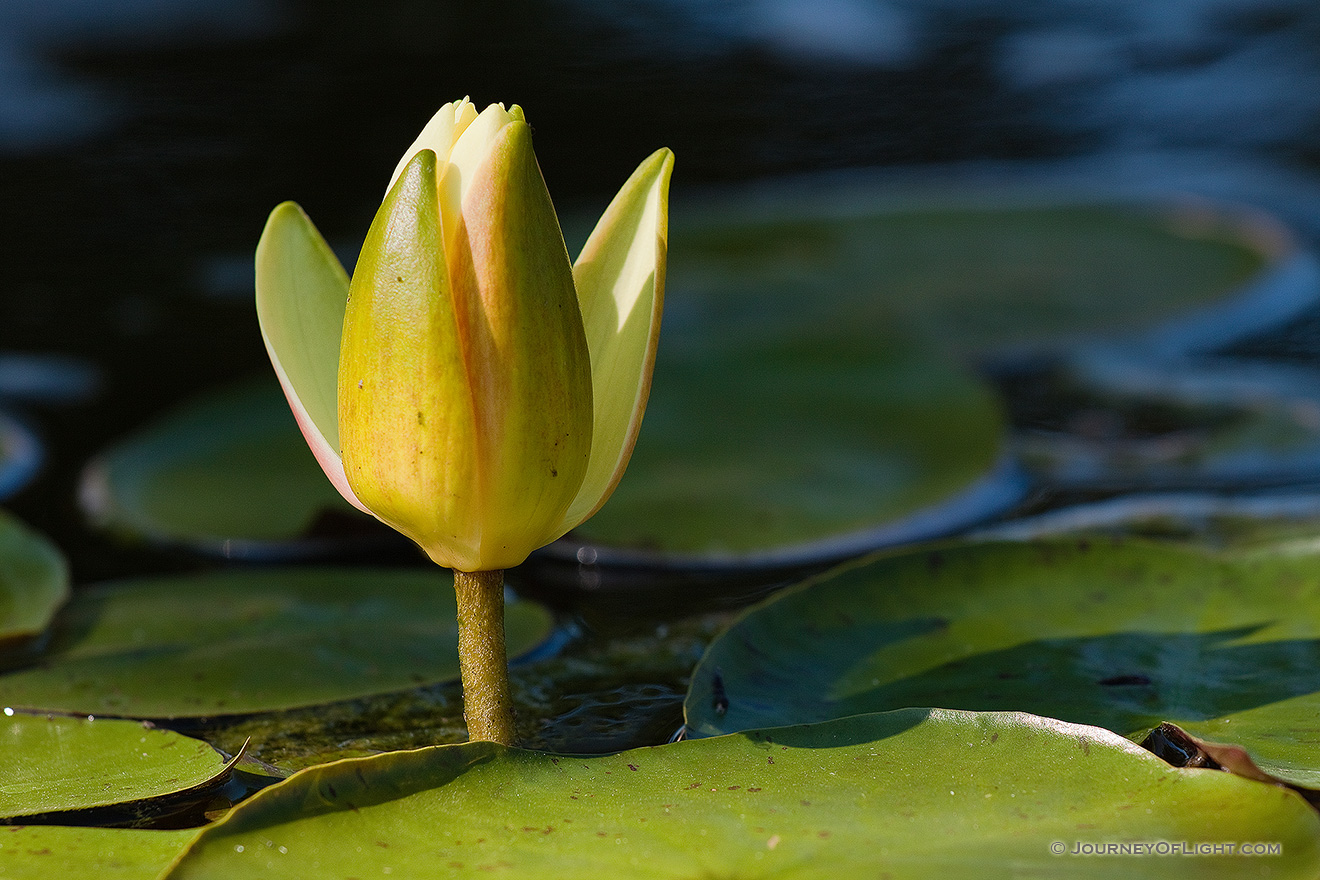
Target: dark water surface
(143, 143)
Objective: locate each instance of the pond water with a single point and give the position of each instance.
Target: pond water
(143, 143)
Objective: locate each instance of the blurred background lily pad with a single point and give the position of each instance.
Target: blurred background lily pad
(238, 642)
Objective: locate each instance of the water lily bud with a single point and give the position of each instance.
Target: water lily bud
(471, 387)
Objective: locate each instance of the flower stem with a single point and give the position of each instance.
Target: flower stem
(482, 661)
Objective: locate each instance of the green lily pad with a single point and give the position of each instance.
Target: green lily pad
(34, 580)
(40, 852)
(865, 436)
(801, 407)
(227, 474)
(60, 764)
(779, 448)
(913, 793)
(1027, 265)
(249, 641)
(1120, 635)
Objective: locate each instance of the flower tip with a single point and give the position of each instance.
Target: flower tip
(281, 216)
(286, 206)
(661, 162)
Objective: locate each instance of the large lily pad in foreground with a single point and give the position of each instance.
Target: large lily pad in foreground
(42, 852)
(227, 474)
(914, 793)
(1120, 635)
(60, 764)
(247, 641)
(34, 580)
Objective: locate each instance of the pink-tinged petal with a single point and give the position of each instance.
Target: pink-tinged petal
(326, 455)
(301, 292)
(531, 381)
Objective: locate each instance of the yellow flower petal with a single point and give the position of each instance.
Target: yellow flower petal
(438, 136)
(620, 278)
(531, 376)
(405, 408)
(471, 149)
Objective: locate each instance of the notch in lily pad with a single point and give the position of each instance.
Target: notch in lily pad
(74, 771)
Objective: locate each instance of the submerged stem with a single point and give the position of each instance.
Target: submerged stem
(482, 661)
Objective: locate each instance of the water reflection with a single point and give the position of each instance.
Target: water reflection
(1126, 74)
(43, 103)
